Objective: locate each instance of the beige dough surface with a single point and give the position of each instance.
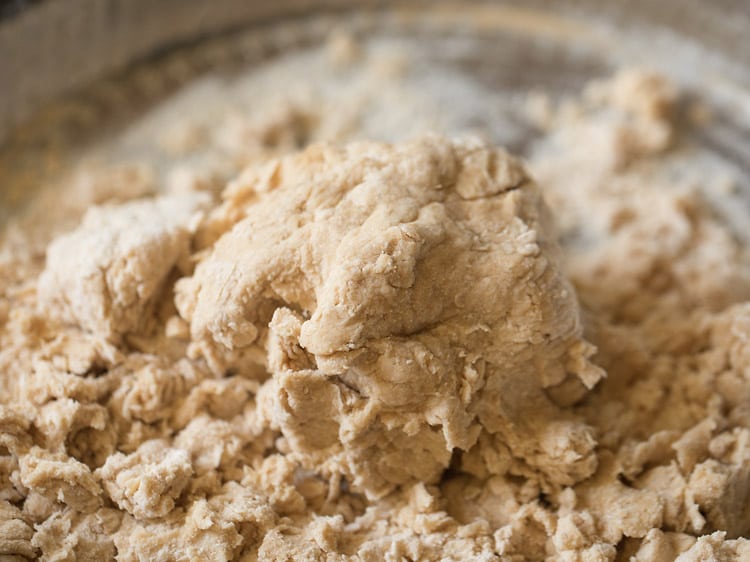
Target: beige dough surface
(424, 350)
(407, 299)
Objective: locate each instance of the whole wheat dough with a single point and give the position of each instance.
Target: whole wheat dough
(372, 351)
(105, 275)
(406, 298)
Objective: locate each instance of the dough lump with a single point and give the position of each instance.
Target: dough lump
(408, 298)
(105, 275)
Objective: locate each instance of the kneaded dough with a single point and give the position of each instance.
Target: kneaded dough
(407, 298)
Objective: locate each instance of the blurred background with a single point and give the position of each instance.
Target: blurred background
(54, 46)
(73, 72)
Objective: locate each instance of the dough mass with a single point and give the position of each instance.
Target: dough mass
(372, 351)
(405, 299)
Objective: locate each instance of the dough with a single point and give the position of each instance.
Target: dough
(408, 298)
(369, 351)
(105, 275)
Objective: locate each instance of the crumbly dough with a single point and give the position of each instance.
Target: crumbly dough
(382, 352)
